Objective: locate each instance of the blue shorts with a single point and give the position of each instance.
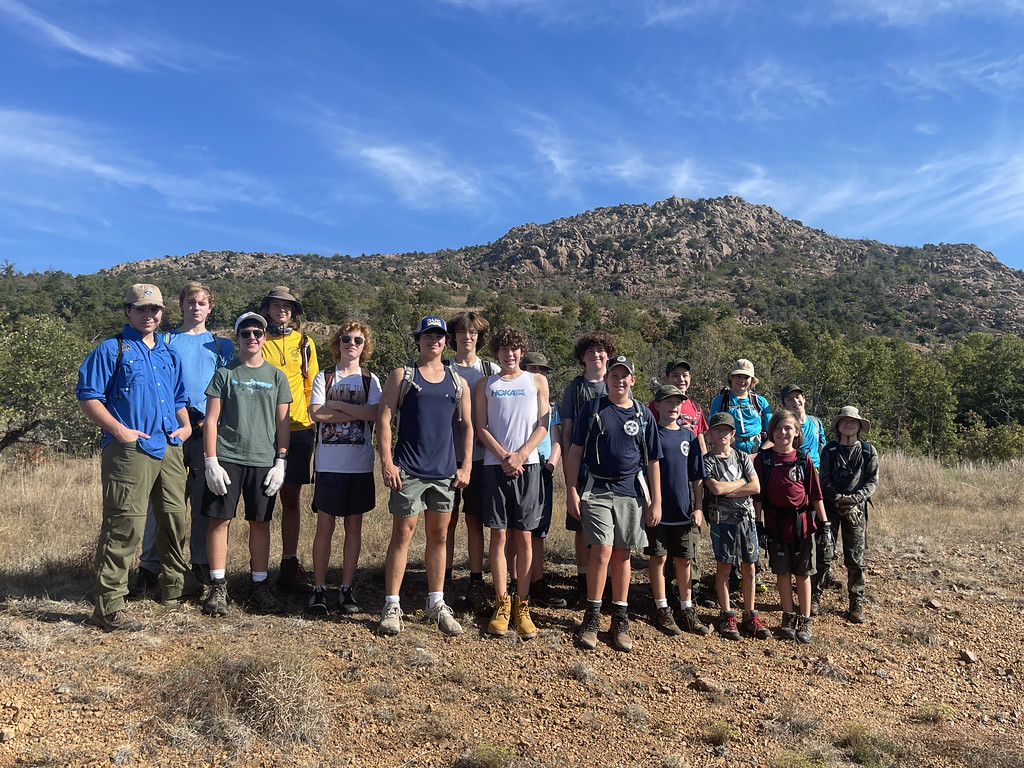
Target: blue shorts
(735, 542)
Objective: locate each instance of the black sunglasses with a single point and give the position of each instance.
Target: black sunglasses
(255, 333)
(350, 339)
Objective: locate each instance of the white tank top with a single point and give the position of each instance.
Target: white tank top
(511, 414)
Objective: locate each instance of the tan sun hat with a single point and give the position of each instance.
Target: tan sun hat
(851, 412)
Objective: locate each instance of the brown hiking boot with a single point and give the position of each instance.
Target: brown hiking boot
(690, 622)
(664, 621)
(621, 641)
(803, 629)
(292, 576)
(856, 613)
(477, 598)
(498, 624)
(589, 628)
(524, 625)
(787, 630)
(118, 621)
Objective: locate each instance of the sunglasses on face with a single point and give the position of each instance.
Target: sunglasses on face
(254, 333)
(357, 340)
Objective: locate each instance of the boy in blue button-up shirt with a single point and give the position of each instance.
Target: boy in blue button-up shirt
(131, 387)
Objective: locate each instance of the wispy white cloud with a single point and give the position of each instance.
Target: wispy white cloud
(671, 12)
(769, 90)
(126, 50)
(927, 129)
(421, 177)
(996, 76)
(906, 13)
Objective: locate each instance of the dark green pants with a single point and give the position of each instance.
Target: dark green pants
(132, 480)
(853, 554)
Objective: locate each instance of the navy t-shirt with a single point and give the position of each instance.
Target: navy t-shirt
(426, 445)
(681, 464)
(614, 450)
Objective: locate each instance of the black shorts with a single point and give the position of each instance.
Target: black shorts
(674, 540)
(342, 494)
(547, 487)
(300, 457)
(511, 502)
(247, 486)
(471, 497)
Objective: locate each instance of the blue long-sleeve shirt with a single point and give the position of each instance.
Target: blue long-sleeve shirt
(144, 393)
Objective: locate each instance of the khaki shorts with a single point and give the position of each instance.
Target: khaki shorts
(613, 520)
(418, 495)
(675, 540)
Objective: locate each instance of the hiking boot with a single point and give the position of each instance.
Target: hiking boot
(541, 594)
(787, 630)
(621, 641)
(390, 619)
(754, 626)
(143, 582)
(815, 606)
(578, 599)
(727, 626)
(665, 621)
(216, 603)
(202, 573)
(856, 613)
(589, 628)
(118, 621)
(691, 623)
(347, 602)
(318, 602)
(292, 577)
(803, 629)
(477, 598)
(445, 619)
(498, 624)
(263, 598)
(525, 627)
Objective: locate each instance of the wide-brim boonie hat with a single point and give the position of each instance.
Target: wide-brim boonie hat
(666, 391)
(284, 294)
(851, 412)
(536, 359)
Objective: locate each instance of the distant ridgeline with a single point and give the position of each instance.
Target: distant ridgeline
(917, 337)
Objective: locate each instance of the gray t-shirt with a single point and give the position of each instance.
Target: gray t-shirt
(247, 429)
(720, 509)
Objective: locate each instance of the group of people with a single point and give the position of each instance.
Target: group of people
(185, 416)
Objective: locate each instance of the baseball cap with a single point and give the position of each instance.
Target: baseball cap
(675, 364)
(788, 390)
(722, 419)
(144, 295)
(743, 366)
(432, 323)
(623, 361)
(251, 317)
(666, 391)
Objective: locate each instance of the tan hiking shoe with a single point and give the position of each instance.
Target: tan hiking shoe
(589, 628)
(523, 623)
(621, 640)
(499, 622)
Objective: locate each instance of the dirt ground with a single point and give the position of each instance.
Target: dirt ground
(932, 679)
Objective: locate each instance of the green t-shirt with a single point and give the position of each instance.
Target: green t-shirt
(247, 430)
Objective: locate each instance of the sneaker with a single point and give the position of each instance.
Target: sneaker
(445, 619)
(390, 619)
(525, 627)
(787, 630)
(118, 621)
(753, 625)
(856, 613)
(216, 603)
(498, 624)
(589, 628)
(760, 587)
(541, 594)
(477, 598)
(803, 629)
(263, 597)
(691, 623)
(727, 625)
(292, 577)
(143, 582)
(621, 641)
(664, 621)
(347, 602)
(318, 602)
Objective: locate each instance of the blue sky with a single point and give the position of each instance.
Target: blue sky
(131, 130)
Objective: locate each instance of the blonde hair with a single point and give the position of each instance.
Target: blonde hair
(348, 328)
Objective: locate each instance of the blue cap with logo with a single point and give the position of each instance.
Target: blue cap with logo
(432, 323)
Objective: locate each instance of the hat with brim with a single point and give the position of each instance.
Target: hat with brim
(790, 389)
(722, 419)
(281, 293)
(851, 412)
(673, 364)
(250, 318)
(666, 391)
(431, 323)
(144, 295)
(535, 359)
(624, 361)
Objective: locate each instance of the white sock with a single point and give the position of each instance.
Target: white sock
(662, 603)
(258, 576)
(624, 605)
(687, 604)
(218, 573)
(433, 598)
(391, 599)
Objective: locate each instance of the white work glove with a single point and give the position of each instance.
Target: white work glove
(275, 478)
(217, 479)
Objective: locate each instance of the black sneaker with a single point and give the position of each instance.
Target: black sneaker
(317, 602)
(216, 603)
(347, 601)
(292, 577)
(263, 598)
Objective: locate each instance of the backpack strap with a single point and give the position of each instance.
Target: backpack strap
(305, 353)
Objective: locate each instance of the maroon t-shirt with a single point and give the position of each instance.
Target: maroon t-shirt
(691, 416)
(784, 491)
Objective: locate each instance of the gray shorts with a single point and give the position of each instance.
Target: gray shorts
(418, 495)
(512, 502)
(611, 519)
